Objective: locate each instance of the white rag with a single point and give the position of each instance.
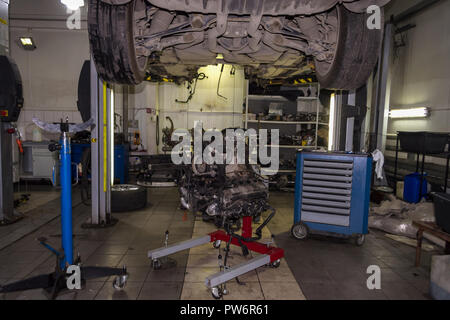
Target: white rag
(378, 157)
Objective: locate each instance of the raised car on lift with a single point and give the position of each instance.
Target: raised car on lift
(137, 40)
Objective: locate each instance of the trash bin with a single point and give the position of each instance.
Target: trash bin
(411, 191)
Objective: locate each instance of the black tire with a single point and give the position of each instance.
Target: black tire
(84, 91)
(111, 34)
(356, 54)
(125, 197)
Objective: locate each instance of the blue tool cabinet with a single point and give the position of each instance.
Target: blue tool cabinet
(332, 193)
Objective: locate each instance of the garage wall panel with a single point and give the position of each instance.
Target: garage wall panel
(421, 70)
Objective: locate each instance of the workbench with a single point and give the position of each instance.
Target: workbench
(432, 229)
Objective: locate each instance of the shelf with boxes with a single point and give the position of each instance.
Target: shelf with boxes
(302, 121)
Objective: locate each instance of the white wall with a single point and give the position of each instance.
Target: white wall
(141, 99)
(214, 111)
(50, 73)
(206, 106)
(421, 73)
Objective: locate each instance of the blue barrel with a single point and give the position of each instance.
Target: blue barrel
(411, 191)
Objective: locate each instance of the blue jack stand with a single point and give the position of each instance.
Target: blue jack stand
(56, 281)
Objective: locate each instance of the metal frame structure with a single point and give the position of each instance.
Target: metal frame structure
(269, 254)
(102, 140)
(7, 214)
(420, 165)
(383, 93)
(6, 193)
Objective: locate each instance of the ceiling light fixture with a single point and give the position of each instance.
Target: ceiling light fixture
(73, 4)
(409, 113)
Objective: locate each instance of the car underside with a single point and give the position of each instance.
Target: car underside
(137, 40)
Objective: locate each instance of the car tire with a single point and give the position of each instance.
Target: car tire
(356, 53)
(111, 35)
(125, 197)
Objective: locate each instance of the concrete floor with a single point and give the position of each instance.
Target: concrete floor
(315, 269)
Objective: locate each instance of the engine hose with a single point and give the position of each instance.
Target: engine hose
(227, 252)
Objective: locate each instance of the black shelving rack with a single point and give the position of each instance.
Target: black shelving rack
(423, 144)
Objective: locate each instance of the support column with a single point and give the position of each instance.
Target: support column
(6, 164)
(101, 151)
(6, 176)
(383, 93)
(125, 113)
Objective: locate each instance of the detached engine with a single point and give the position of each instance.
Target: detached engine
(224, 193)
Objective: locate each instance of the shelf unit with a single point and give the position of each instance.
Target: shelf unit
(279, 99)
(286, 122)
(256, 104)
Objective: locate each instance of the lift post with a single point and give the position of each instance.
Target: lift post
(11, 104)
(102, 152)
(7, 215)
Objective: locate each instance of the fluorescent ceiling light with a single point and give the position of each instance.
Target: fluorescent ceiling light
(409, 113)
(73, 4)
(27, 43)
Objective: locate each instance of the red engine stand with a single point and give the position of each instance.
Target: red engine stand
(274, 253)
(268, 255)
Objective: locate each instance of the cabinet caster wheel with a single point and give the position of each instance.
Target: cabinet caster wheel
(216, 293)
(300, 231)
(276, 264)
(156, 264)
(359, 240)
(120, 282)
(217, 244)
